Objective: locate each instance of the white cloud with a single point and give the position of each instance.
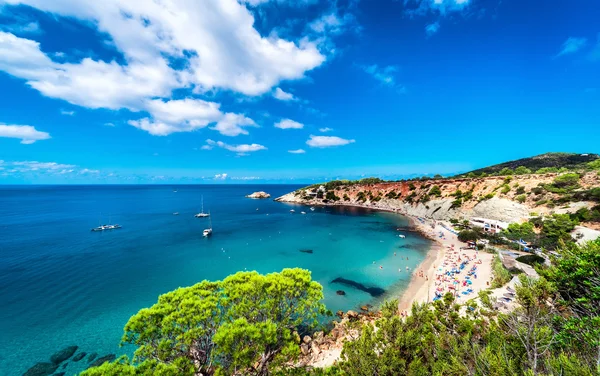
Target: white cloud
(68, 113)
(215, 40)
(31, 27)
(35, 167)
(109, 124)
(283, 96)
(26, 133)
(327, 141)
(384, 75)
(239, 59)
(325, 130)
(88, 171)
(241, 149)
(298, 151)
(232, 124)
(245, 178)
(288, 124)
(572, 45)
(220, 176)
(432, 28)
(186, 115)
(206, 147)
(442, 7)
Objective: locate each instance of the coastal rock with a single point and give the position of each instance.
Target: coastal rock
(352, 315)
(62, 355)
(304, 349)
(92, 357)
(259, 195)
(340, 314)
(79, 356)
(340, 292)
(364, 308)
(306, 339)
(318, 337)
(100, 361)
(315, 348)
(41, 369)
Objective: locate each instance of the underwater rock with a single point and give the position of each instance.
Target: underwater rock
(79, 356)
(100, 361)
(373, 291)
(41, 369)
(92, 357)
(64, 354)
(306, 250)
(340, 292)
(59, 374)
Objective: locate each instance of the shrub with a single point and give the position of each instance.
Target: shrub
(435, 191)
(505, 189)
(522, 170)
(520, 190)
(505, 171)
(547, 170)
(531, 260)
(468, 235)
(521, 198)
(411, 186)
(501, 275)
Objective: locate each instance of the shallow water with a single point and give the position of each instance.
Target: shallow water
(61, 284)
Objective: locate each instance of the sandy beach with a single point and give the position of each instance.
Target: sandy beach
(445, 256)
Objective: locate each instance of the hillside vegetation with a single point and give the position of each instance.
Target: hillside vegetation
(510, 195)
(549, 162)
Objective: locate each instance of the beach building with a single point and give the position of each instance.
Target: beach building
(489, 225)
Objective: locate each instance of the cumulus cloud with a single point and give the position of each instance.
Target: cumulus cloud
(150, 35)
(327, 141)
(283, 96)
(441, 7)
(68, 113)
(297, 151)
(240, 60)
(186, 115)
(241, 149)
(233, 124)
(432, 28)
(572, 45)
(26, 133)
(220, 176)
(288, 124)
(384, 75)
(325, 130)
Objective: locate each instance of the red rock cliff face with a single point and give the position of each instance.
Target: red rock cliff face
(495, 197)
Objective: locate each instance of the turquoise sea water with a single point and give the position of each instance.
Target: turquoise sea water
(62, 285)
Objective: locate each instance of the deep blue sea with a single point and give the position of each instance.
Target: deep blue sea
(61, 284)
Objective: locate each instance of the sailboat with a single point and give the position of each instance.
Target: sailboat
(202, 214)
(208, 231)
(106, 227)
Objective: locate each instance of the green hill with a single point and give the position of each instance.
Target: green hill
(549, 160)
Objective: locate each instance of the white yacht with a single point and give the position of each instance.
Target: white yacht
(208, 231)
(312, 208)
(202, 214)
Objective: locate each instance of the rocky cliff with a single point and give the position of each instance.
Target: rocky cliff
(509, 199)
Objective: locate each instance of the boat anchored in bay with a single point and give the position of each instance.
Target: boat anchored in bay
(202, 214)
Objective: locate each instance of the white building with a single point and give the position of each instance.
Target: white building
(489, 225)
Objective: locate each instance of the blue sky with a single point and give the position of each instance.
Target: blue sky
(238, 91)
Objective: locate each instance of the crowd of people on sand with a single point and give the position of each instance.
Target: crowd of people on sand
(457, 272)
